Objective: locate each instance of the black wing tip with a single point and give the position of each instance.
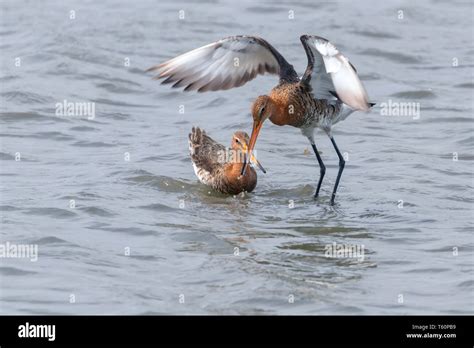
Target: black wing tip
(372, 104)
(176, 84)
(166, 81)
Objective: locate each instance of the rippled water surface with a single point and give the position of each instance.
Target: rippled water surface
(144, 234)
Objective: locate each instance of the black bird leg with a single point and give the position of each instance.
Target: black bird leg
(342, 163)
(322, 167)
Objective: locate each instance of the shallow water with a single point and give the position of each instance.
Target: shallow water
(403, 196)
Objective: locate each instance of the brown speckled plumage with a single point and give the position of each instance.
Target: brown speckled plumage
(297, 107)
(217, 171)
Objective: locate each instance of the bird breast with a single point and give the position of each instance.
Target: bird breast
(291, 105)
(233, 183)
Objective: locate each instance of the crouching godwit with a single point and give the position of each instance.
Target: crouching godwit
(220, 168)
(328, 92)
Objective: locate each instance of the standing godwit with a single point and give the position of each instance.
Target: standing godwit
(219, 167)
(328, 92)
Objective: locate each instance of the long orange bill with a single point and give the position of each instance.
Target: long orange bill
(256, 162)
(253, 159)
(253, 140)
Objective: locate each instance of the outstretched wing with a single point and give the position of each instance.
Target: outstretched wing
(330, 73)
(224, 64)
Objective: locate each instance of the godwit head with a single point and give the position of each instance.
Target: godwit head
(240, 144)
(262, 109)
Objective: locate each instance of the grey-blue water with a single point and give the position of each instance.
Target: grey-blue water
(123, 226)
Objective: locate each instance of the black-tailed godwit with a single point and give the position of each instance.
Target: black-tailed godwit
(220, 168)
(328, 92)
